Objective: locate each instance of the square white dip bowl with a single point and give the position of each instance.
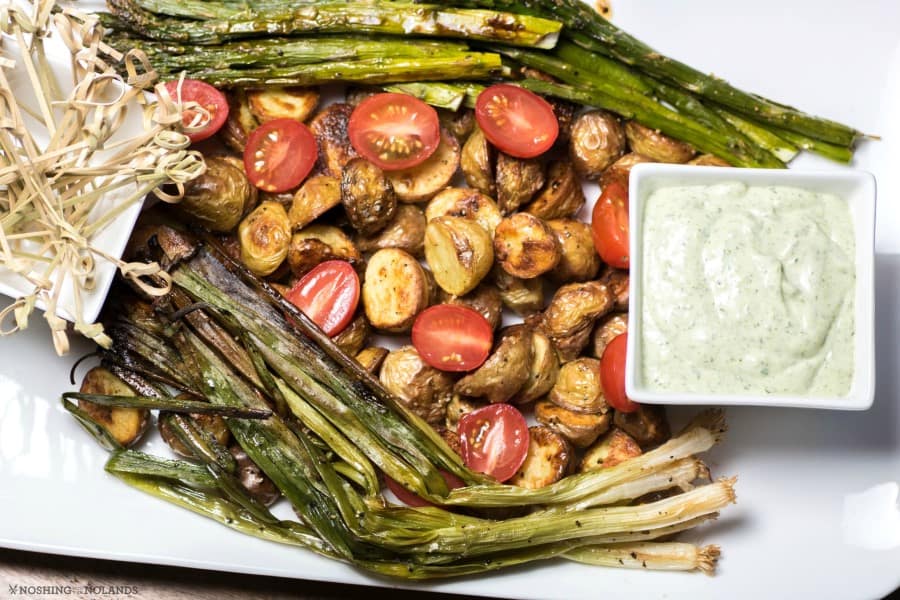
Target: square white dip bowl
(856, 187)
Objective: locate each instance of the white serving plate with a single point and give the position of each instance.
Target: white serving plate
(817, 512)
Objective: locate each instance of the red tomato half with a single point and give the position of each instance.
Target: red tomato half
(612, 375)
(609, 225)
(394, 131)
(279, 155)
(410, 499)
(494, 440)
(452, 338)
(328, 295)
(515, 120)
(206, 96)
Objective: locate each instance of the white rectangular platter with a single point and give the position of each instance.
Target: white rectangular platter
(817, 512)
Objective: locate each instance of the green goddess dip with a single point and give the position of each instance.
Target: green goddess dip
(747, 290)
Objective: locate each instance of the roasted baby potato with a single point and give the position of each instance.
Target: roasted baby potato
(405, 231)
(466, 203)
(460, 123)
(265, 236)
(544, 369)
(420, 183)
(579, 260)
(275, 102)
(357, 93)
(618, 282)
(317, 243)
(485, 299)
(525, 247)
(614, 447)
(212, 425)
(505, 371)
(315, 197)
(477, 163)
(522, 296)
(451, 439)
(458, 406)
(330, 128)
(597, 140)
(565, 112)
(562, 196)
(126, 425)
(648, 425)
(578, 387)
(459, 253)
(655, 145)
(368, 196)
(394, 290)
(607, 329)
(240, 122)
(354, 336)
(371, 358)
(569, 318)
(708, 160)
(548, 460)
(219, 198)
(579, 428)
(518, 180)
(424, 389)
(620, 171)
(253, 479)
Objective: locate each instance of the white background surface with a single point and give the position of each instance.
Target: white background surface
(817, 512)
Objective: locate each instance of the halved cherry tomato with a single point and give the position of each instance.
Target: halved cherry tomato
(494, 440)
(452, 338)
(410, 499)
(328, 295)
(279, 155)
(206, 96)
(394, 131)
(609, 225)
(612, 375)
(516, 120)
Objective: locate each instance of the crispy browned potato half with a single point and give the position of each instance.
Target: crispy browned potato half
(522, 296)
(477, 163)
(371, 358)
(420, 183)
(620, 171)
(548, 460)
(126, 425)
(518, 180)
(460, 123)
(424, 389)
(265, 237)
(525, 247)
(213, 425)
(354, 336)
(708, 160)
(317, 243)
(506, 369)
(405, 231)
(253, 479)
(368, 196)
(458, 406)
(459, 253)
(394, 290)
(607, 329)
(316, 196)
(544, 369)
(485, 299)
(466, 203)
(648, 425)
(579, 260)
(330, 128)
(613, 448)
(219, 198)
(597, 140)
(619, 284)
(656, 145)
(276, 102)
(570, 316)
(240, 122)
(581, 429)
(562, 195)
(578, 387)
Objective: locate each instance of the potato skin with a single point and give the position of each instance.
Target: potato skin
(570, 316)
(648, 425)
(505, 371)
(405, 231)
(525, 247)
(371, 358)
(619, 283)
(354, 336)
(708, 160)
(253, 479)
(544, 369)
(485, 299)
(607, 329)
(424, 389)
(466, 203)
(420, 183)
(316, 196)
(330, 128)
(562, 195)
(518, 180)
(460, 124)
(458, 406)
(620, 171)
(581, 429)
(459, 253)
(126, 425)
(613, 448)
(578, 388)
(548, 460)
(394, 290)
(477, 163)
(655, 145)
(579, 260)
(522, 296)
(368, 196)
(240, 122)
(315, 244)
(276, 102)
(265, 237)
(597, 140)
(213, 425)
(219, 198)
